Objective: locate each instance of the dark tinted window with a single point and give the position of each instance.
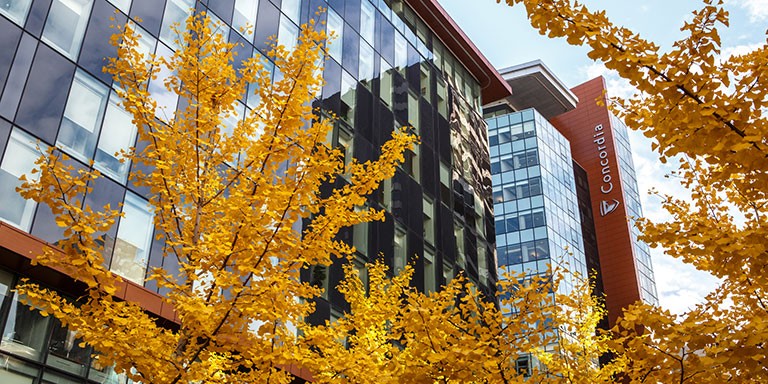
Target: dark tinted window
(96, 48)
(267, 22)
(17, 76)
(150, 12)
(9, 39)
(223, 9)
(51, 75)
(37, 15)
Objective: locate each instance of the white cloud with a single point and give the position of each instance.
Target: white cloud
(757, 9)
(617, 87)
(680, 286)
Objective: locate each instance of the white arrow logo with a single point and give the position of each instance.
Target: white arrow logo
(608, 207)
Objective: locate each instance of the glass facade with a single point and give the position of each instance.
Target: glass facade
(385, 69)
(634, 210)
(534, 195)
(37, 349)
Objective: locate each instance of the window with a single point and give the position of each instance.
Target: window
(65, 26)
(400, 249)
(166, 100)
(362, 270)
(118, 134)
(482, 264)
(366, 70)
(385, 88)
(123, 5)
(367, 22)
(82, 116)
(335, 26)
(411, 164)
(176, 14)
(348, 97)
(291, 8)
(16, 10)
(413, 111)
(318, 278)
(288, 34)
(25, 330)
(245, 16)
(14, 210)
(360, 238)
(458, 233)
(254, 98)
(445, 183)
(133, 240)
(425, 80)
(401, 53)
(442, 99)
(65, 351)
(429, 270)
(428, 221)
(447, 272)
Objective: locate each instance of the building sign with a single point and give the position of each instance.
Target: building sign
(606, 187)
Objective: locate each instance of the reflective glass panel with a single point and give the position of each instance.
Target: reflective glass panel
(117, 134)
(335, 44)
(82, 116)
(245, 15)
(133, 238)
(16, 10)
(66, 24)
(176, 13)
(20, 156)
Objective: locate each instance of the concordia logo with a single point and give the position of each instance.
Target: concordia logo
(608, 207)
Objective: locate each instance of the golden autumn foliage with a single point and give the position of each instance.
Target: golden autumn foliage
(706, 110)
(228, 204)
(241, 214)
(395, 334)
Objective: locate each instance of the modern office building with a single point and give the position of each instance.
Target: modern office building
(564, 186)
(394, 63)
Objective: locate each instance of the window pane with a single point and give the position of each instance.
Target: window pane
(335, 27)
(66, 24)
(401, 52)
(176, 13)
(245, 14)
(385, 83)
(166, 100)
(82, 116)
(16, 10)
(14, 209)
(65, 351)
(133, 238)
(400, 256)
(288, 34)
(123, 5)
(348, 97)
(15, 371)
(291, 9)
(365, 71)
(367, 17)
(25, 331)
(429, 271)
(118, 134)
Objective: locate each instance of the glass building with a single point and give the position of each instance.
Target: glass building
(534, 192)
(559, 144)
(564, 189)
(393, 63)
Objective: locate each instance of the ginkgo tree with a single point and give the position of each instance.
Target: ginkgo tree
(707, 111)
(240, 212)
(229, 206)
(395, 334)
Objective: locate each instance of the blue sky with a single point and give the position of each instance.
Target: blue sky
(503, 34)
